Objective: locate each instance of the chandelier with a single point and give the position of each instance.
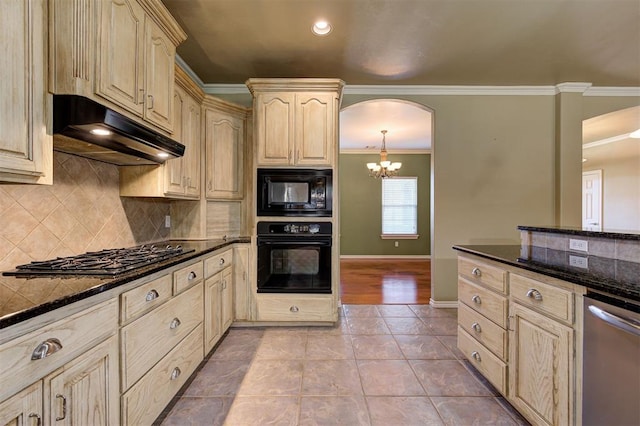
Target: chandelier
(386, 168)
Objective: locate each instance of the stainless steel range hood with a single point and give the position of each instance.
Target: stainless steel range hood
(85, 128)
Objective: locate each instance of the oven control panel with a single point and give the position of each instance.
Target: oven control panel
(298, 228)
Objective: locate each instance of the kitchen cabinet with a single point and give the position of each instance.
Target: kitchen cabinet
(241, 283)
(218, 297)
(295, 121)
(224, 149)
(26, 144)
(132, 43)
(295, 308)
(177, 178)
(23, 408)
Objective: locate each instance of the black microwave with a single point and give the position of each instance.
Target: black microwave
(294, 192)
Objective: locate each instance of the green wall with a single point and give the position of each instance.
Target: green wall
(361, 211)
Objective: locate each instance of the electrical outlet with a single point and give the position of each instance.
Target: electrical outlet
(395, 244)
(579, 245)
(167, 221)
(579, 262)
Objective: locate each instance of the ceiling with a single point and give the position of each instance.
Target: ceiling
(412, 42)
(606, 137)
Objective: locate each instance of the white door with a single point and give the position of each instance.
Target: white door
(592, 200)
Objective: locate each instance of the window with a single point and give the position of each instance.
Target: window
(400, 207)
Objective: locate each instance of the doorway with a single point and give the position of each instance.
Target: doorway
(592, 200)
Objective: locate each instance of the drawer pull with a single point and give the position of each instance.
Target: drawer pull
(294, 308)
(150, 99)
(174, 324)
(37, 416)
(534, 294)
(192, 276)
(152, 295)
(46, 348)
(175, 373)
(224, 284)
(64, 407)
(475, 355)
(476, 272)
(476, 299)
(222, 261)
(476, 327)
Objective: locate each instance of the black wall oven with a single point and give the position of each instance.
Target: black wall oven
(294, 257)
(294, 192)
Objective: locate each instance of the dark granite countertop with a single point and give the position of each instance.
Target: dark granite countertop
(607, 233)
(43, 294)
(616, 277)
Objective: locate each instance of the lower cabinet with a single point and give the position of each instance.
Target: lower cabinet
(24, 408)
(218, 302)
(295, 308)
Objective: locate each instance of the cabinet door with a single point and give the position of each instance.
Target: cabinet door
(191, 164)
(314, 129)
(274, 115)
(85, 391)
(224, 141)
(173, 169)
(540, 367)
(120, 67)
(25, 408)
(241, 287)
(226, 295)
(159, 66)
(25, 148)
(212, 302)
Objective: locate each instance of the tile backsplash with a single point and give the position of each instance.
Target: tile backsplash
(82, 211)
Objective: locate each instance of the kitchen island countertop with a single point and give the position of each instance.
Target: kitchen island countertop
(617, 277)
(33, 296)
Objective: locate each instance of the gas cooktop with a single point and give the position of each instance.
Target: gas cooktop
(110, 262)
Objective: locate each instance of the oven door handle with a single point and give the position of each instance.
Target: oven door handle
(295, 243)
(625, 324)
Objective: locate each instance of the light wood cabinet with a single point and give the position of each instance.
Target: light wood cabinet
(177, 178)
(226, 296)
(295, 308)
(295, 121)
(224, 150)
(541, 367)
(26, 150)
(218, 296)
(24, 408)
(212, 310)
(85, 392)
(241, 282)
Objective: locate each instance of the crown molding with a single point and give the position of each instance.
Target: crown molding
(187, 69)
(613, 91)
(389, 151)
(572, 87)
(226, 89)
(606, 141)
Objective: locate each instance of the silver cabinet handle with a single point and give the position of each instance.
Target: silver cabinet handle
(141, 93)
(294, 308)
(476, 272)
(222, 260)
(534, 294)
(37, 417)
(192, 276)
(475, 355)
(476, 299)
(150, 99)
(152, 295)
(64, 407)
(175, 324)
(476, 327)
(175, 373)
(46, 348)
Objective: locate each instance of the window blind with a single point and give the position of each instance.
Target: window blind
(400, 206)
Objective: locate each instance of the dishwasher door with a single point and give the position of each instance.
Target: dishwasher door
(611, 370)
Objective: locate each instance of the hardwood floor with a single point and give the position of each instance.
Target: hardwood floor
(385, 281)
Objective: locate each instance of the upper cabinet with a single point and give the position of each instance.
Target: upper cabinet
(224, 149)
(296, 121)
(26, 153)
(133, 50)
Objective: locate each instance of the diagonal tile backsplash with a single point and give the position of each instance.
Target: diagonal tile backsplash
(82, 211)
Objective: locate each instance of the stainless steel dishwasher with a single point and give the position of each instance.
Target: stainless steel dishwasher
(611, 370)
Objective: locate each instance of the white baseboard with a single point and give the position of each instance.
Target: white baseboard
(443, 303)
(386, 256)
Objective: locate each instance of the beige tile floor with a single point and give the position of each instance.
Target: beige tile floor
(380, 365)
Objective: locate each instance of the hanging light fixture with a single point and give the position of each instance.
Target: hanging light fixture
(386, 168)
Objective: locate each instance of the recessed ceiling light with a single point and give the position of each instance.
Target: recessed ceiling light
(100, 132)
(584, 160)
(163, 155)
(321, 28)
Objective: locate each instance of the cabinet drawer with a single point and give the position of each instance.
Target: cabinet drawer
(146, 340)
(483, 273)
(144, 298)
(489, 304)
(217, 263)
(186, 277)
(75, 334)
(554, 301)
(487, 363)
(296, 308)
(483, 330)
(144, 402)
